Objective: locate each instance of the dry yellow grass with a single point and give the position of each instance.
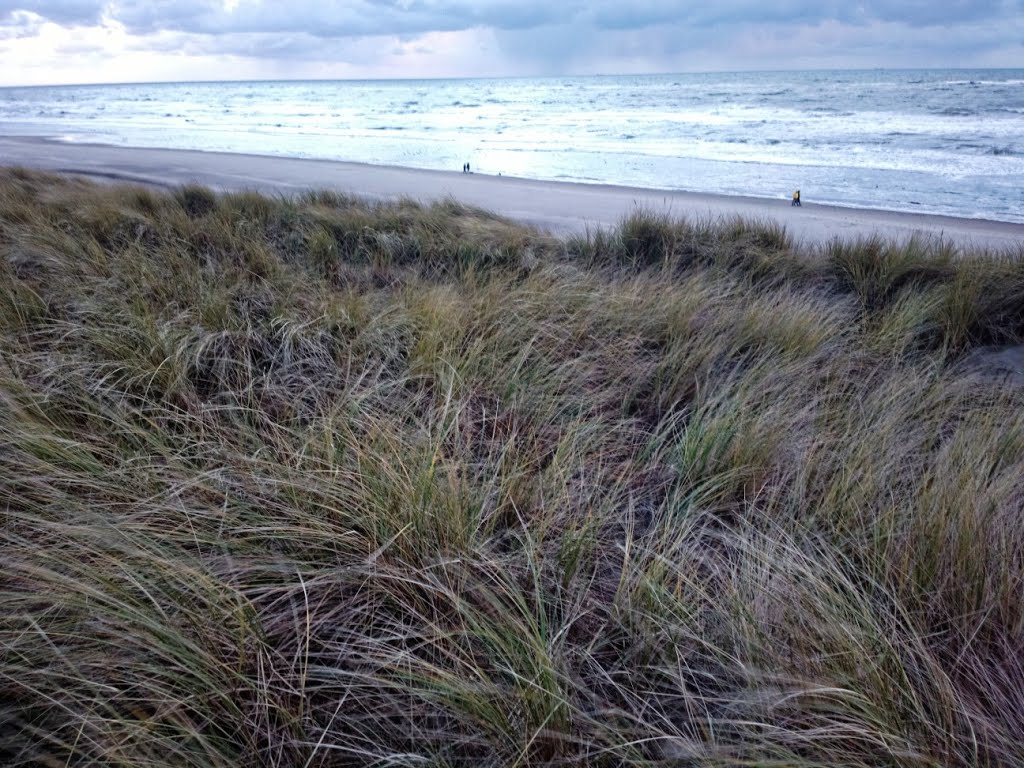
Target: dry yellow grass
(317, 482)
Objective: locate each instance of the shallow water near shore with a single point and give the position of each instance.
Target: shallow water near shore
(934, 141)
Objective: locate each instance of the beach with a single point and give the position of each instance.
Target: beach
(562, 208)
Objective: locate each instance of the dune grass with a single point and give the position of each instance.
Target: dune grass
(316, 482)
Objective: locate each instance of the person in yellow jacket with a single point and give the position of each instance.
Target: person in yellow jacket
(796, 198)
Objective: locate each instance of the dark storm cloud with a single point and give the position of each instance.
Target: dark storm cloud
(619, 15)
(354, 18)
(351, 18)
(382, 17)
(732, 12)
(920, 13)
(552, 35)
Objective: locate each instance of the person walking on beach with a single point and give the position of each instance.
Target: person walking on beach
(796, 198)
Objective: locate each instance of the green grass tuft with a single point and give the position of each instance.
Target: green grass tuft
(316, 481)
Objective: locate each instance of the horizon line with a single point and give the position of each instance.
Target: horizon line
(690, 73)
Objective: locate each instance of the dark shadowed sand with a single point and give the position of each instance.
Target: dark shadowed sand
(559, 207)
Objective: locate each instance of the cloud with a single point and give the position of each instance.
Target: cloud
(21, 25)
(358, 18)
(63, 12)
(381, 38)
(396, 17)
(328, 18)
(352, 18)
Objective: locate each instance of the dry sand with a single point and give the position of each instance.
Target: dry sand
(559, 207)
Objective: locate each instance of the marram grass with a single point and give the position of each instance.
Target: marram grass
(315, 482)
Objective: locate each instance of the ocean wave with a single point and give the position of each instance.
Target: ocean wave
(984, 82)
(992, 150)
(730, 131)
(829, 112)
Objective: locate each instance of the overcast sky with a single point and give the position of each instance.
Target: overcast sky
(87, 41)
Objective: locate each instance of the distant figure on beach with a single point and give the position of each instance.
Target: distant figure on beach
(796, 198)
(468, 169)
(465, 167)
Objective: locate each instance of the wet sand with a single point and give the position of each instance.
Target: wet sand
(559, 207)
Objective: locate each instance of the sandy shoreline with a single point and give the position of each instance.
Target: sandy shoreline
(560, 207)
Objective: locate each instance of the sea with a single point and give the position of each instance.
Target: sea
(930, 141)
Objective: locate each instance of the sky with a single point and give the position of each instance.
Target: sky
(102, 41)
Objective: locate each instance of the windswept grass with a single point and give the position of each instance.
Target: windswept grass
(313, 481)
